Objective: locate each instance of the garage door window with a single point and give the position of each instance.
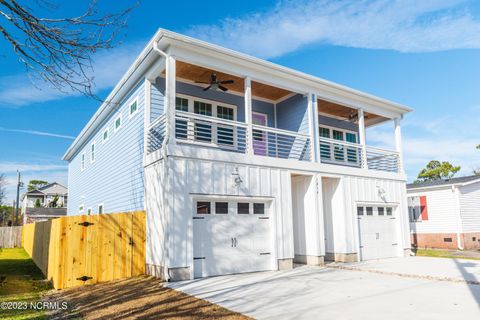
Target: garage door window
(389, 211)
(259, 208)
(221, 207)
(243, 208)
(381, 211)
(360, 211)
(369, 211)
(203, 207)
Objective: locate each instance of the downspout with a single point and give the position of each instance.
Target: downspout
(459, 217)
(165, 173)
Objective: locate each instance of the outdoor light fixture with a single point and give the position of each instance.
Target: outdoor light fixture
(237, 179)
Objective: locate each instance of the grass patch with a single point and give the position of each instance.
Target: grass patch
(443, 254)
(22, 282)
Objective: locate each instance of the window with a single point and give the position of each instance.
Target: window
(381, 211)
(105, 135)
(181, 126)
(81, 208)
(203, 207)
(203, 132)
(221, 207)
(360, 211)
(225, 133)
(243, 208)
(89, 211)
(389, 211)
(133, 107)
(92, 153)
(100, 208)
(82, 165)
(259, 208)
(118, 123)
(369, 211)
(414, 210)
(325, 147)
(338, 152)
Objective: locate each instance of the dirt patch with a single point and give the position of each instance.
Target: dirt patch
(136, 298)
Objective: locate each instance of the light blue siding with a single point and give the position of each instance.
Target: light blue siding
(292, 114)
(157, 94)
(116, 177)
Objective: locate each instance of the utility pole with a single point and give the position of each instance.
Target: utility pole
(18, 198)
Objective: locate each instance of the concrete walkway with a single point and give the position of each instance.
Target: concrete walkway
(439, 268)
(329, 293)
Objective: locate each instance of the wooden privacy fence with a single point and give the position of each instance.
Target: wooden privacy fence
(10, 237)
(76, 250)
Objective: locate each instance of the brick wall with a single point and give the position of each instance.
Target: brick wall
(470, 241)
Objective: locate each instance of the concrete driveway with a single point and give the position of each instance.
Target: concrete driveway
(371, 290)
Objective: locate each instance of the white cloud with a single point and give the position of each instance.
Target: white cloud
(38, 133)
(406, 25)
(108, 67)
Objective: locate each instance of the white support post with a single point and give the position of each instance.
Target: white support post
(313, 121)
(248, 115)
(363, 138)
(170, 93)
(147, 115)
(398, 143)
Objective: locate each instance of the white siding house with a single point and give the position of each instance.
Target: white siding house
(241, 164)
(445, 213)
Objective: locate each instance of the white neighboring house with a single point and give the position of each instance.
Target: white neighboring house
(445, 213)
(241, 164)
(44, 196)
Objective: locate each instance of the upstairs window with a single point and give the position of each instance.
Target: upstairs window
(92, 152)
(133, 107)
(118, 123)
(82, 162)
(105, 135)
(100, 208)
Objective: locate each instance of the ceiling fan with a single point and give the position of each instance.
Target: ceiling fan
(353, 117)
(215, 84)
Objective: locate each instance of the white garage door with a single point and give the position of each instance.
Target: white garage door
(377, 228)
(230, 237)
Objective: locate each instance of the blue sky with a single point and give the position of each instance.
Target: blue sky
(424, 54)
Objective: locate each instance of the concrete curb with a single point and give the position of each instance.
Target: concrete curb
(406, 275)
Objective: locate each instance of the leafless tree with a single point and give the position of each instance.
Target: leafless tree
(59, 50)
(3, 182)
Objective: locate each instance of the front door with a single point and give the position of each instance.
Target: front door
(259, 137)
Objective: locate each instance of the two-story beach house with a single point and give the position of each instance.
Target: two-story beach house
(241, 164)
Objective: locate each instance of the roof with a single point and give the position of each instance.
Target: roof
(445, 182)
(145, 59)
(56, 187)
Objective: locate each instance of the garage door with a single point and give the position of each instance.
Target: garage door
(377, 229)
(230, 237)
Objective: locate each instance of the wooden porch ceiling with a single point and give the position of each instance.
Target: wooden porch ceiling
(196, 73)
(345, 112)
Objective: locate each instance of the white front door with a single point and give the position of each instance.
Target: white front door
(377, 230)
(230, 237)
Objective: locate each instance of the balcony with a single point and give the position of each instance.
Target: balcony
(265, 121)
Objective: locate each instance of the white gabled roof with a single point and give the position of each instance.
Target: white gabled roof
(146, 57)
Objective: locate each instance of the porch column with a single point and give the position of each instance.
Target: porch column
(314, 134)
(363, 139)
(170, 93)
(398, 143)
(248, 115)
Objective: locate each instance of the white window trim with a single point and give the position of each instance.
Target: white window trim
(103, 207)
(103, 135)
(82, 162)
(89, 209)
(93, 155)
(115, 129)
(191, 101)
(232, 206)
(81, 208)
(130, 114)
(341, 130)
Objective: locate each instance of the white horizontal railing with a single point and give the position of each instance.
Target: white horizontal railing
(156, 134)
(341, 152)
(279, 143)
(211, 132)
(381, 159)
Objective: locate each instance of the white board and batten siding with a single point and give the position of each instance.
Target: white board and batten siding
(115, 179)
(193, 179)
(470, 207)
(442, 211)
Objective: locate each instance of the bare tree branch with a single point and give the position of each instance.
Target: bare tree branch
(59, 50)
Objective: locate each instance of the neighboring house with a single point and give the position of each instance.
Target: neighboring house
(44, 196)
(445, 213)
(273, 170)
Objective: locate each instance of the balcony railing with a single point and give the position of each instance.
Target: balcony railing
(233, 136)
